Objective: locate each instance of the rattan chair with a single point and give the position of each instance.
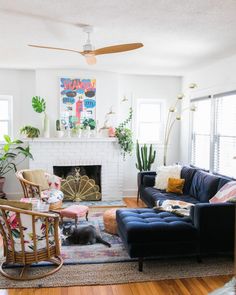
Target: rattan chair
(29, 237)
(33, 190)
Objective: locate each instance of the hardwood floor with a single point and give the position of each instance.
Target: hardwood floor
(192, 286)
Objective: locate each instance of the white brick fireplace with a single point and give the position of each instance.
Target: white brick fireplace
(82, 151)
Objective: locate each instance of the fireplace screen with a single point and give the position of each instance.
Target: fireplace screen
(80, 183)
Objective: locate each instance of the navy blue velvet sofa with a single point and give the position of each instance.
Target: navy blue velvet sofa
(209, 228)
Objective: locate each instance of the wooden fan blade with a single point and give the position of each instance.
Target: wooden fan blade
(54, 48)
(117, 48)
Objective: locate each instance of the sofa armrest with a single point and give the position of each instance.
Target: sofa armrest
(213, 215)
(144, 173)
(215, 224)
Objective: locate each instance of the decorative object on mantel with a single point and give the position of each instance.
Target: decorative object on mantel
(108, 127)
(59, 132)
(124, 135)
(30, 131)
(144, 159)
(39, 106)
(80, 188)
(172, 118)
(11, 155)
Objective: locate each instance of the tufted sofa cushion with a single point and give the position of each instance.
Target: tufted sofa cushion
(148, 225)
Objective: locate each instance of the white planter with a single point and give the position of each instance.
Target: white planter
(59, 133)
(46, 126)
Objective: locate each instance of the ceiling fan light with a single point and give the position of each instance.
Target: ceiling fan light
(90, 59)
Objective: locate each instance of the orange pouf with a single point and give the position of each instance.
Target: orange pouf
(109, 220)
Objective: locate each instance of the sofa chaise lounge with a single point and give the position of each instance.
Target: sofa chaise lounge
(209, 229)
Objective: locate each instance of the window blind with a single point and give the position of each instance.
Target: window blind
(201, 133)
(225, 134)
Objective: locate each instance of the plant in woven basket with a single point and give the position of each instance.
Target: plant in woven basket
(124, 135)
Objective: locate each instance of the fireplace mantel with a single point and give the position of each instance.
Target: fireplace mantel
(72, 139)
(49, 152)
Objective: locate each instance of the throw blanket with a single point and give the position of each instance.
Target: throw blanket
(179, 208)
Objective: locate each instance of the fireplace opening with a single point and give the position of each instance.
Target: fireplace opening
(77, 188)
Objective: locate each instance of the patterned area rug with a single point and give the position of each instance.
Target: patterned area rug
(96, 253)
(118, 203)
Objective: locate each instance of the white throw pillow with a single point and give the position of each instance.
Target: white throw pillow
(164, 173)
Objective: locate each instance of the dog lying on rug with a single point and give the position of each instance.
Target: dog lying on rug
(179, 208)
(83, 235)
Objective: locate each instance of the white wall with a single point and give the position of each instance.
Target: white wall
(148, 87)
(48, 86)
(110, 90)
(214, 78)
(20, 84)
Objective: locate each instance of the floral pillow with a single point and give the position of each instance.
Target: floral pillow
(53, 181)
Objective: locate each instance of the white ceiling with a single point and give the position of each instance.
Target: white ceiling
(178, 35)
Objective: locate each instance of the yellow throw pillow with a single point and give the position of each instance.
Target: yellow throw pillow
(37, 177)
(175, 185)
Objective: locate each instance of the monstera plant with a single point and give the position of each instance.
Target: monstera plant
(39, 106)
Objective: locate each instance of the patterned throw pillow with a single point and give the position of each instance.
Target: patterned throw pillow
(226, 194)
(175, 185)
(179, 208)
(164, 173)
(52, 196)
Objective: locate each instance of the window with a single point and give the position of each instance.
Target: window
(201, 131)
(225, 134)
(214, 133)
(5, 116)
(150, 120)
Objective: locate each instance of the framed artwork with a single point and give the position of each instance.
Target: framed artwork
(77, 101)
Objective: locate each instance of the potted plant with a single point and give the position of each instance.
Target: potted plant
(30, 131)
(145, 158)
(124, 135)
(39, 106)
(59, 132)
(11, 155)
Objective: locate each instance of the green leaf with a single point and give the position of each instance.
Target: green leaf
(6, 147)
(38, 104)
(7, 138)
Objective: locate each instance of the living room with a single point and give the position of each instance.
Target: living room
(80, 84)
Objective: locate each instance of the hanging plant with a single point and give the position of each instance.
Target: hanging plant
(124, 135)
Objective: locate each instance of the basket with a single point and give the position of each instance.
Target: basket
(55, 206)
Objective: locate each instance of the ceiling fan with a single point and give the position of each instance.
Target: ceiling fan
(88, 49)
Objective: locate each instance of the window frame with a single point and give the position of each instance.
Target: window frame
(214, 136)
(9, 99)
(191, 124)
(162, 104)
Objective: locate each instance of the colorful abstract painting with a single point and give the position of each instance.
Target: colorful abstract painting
(77, 101)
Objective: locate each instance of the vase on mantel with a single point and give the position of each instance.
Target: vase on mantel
(46, 126)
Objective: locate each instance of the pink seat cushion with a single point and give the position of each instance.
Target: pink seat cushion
(74, 211)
